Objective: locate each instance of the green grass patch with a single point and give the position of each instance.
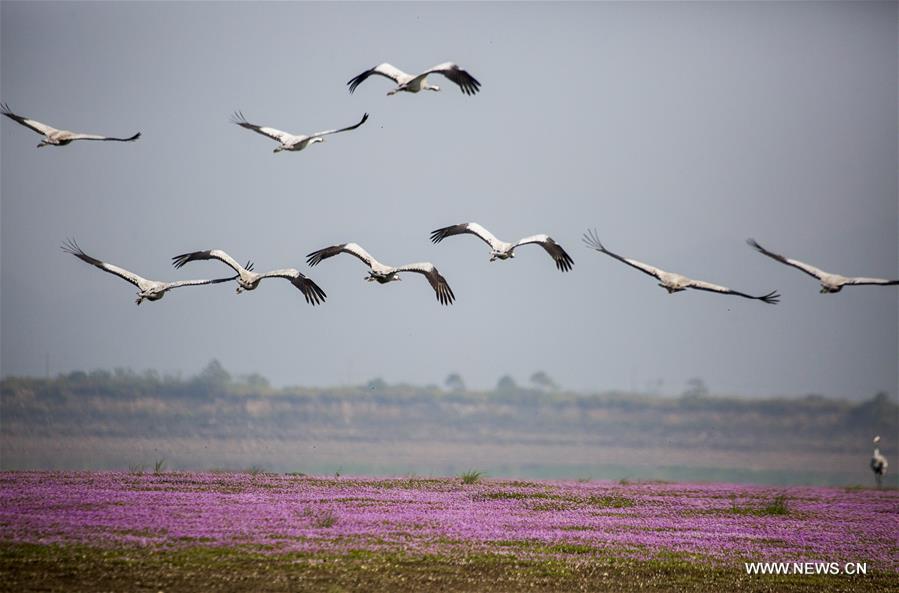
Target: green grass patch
(777, 506)
(471, 477)
(515, 495)
(510, 568)
(611, 501)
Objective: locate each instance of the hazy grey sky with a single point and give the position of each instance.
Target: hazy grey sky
(677, 130)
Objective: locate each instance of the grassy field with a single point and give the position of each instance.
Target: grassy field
(30, 567)
(148, 531)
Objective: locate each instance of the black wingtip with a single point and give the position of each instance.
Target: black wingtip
(69, 245)
(238, 118)
(446, 297)
(180, 260)
(444, 293)
(565, 263)
(312, 291)
(359, 79)
(591, 239)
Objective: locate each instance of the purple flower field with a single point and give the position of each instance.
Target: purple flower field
(713, 523)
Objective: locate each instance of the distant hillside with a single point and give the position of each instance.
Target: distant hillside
(214, 407)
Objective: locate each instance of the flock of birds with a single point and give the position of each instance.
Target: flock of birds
(247, 279)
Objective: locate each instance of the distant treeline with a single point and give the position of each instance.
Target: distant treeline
(214, 404)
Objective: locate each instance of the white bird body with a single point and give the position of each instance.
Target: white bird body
(414, 83)
(502, 249)
(150, 290)
(671, 281)
(291, 142)
(382, 273)
(54, 137)
(878, 462)
(247, 279)
(830, 283)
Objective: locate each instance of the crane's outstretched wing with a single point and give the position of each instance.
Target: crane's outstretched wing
(386, 70)
(467, 83)
(471, 228)
(180, 260)
(180, 283)
(316, 257)
(771, 298)
(810, 270)
(272, 133)
(555, 251)
(444, 293)
(27, 122)
(861, 281)
(313, 293)
(592, 241)
(326, 132)
(70, 246)
(79, 136)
